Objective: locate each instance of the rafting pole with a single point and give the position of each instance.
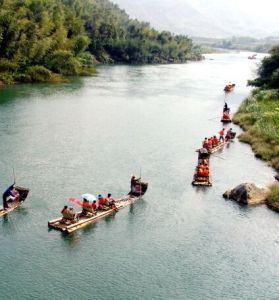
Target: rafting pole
(140, 182)
(14, 175)
(219, 157)
(213, 118)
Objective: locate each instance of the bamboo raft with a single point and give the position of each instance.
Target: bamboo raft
(229, 88)
(83, 221)
(226, 120)
(201, 181)
(218, 147)
(23, 193)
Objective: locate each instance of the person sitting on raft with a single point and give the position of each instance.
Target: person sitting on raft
(10, 194)
(205, 144)
(226, 115)
(94, 205)
(68, 214)
(110, 202)
(102, 203)
(203, 170)
(210, 143)
(87, 208)
(215, 141)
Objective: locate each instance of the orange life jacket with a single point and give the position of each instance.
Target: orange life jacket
(222, 132)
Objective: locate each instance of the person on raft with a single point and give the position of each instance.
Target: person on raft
(202, 169)
(87, 208)
(226, 107)
(222, 134)
(215, 141)
(205, 144)
(226, 115)
(203, 153)
(134, 181)
(10, 194)
(68, 214)
(229, 135)
(110, 202)
(102, 203)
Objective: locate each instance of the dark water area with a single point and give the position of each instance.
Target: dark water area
(88, 136)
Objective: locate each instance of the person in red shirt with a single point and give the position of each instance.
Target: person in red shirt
(210, 143)
(222, 133)
(94, 205)
(102, 200)
(205, 143)
(102, 203)
(215, 141)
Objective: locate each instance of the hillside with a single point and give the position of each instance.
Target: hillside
(42, 40)
(203, 18)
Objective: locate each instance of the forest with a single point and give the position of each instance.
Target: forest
(46, 40)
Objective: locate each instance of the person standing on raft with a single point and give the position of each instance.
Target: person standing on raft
(134, 181)
(9, 194)
(222, 134)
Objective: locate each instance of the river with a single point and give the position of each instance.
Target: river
(88, 136)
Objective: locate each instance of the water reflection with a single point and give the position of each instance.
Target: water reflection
(20, 92)
(9, 225)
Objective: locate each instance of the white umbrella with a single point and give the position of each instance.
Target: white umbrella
(88, 197)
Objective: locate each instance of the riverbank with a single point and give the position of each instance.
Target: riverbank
(258, 116)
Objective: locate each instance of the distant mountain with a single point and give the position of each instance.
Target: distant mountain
(214, 18)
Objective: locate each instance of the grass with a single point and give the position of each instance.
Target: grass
(259, 118)
(273, 197)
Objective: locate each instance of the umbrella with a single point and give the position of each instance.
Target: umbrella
(79, 202)
(88, 197)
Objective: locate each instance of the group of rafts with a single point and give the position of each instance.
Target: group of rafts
(91, 210)
(211, 145)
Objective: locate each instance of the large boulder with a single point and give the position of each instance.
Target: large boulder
(247, 193)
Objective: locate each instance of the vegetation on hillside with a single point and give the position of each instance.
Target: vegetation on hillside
(43, 40)
(259, 114)
(236, 43)
(273, 197)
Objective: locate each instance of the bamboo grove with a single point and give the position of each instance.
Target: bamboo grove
(46, 40)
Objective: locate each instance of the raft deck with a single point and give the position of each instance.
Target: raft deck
(218, 147)
(201, 181)
(84, 221)
(12, 206)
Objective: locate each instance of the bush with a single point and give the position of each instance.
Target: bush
(64, 62)
(273, 197)
(39, 73)
(7, 66)
(6, 78)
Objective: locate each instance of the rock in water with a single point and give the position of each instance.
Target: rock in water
(277, 177)
(247, 193)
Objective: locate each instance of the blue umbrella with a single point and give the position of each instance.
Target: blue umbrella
(88, 197)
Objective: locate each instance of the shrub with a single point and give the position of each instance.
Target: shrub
(64, 62)
(39, 73)
(6, 78)
(273, 197)
(7, 65)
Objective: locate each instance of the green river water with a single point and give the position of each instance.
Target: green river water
(88, 136)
